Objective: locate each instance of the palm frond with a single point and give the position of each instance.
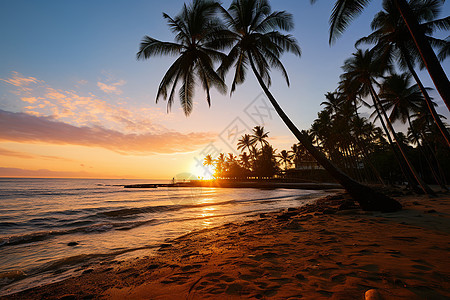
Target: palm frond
(169, 78)
(444, 51)
(187, 92)
(344, 11)
(177, 27)
(276, 20)
(150, 47)
(285, 41)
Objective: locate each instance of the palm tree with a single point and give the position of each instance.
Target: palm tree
(192, 28)
(259, 136)
(245, 142)
(333, 102)
(220, 165)
(362, 69)
(208, 161)
(345, 11)
(285, 158)
(245, 160)
(402, 98)
(256, 41)
(392, 41)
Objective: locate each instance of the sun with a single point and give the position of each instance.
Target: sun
(202, 172)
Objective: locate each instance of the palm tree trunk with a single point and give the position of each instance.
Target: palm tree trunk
(430, 165)
(367, 198)
(399, 159)
(428, 101)
(434, 157)
(429, 58)
(362, 147)
(419, 180)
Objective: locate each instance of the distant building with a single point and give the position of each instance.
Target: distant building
(308, 165)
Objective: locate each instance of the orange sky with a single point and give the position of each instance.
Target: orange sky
(71, 133)
(75, 102)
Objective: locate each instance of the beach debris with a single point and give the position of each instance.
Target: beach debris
(373, 294)
(71, 244)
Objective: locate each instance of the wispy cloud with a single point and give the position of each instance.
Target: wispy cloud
(85, 109)
(18, 172)
(23, 155)
(22, 127)
(112, 88)
(19, 80)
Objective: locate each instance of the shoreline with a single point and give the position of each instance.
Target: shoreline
(330, 249)
(257, 184)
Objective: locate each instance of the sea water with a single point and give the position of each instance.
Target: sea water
(50, 228)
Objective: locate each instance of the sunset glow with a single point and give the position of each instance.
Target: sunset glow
(82, 106)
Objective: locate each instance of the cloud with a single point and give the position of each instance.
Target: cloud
(18, 80)
(6, 152)
(111, 88)
(17, 172)
(26, 128)
(84, 109)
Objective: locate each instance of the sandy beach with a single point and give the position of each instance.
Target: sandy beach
(328, 250)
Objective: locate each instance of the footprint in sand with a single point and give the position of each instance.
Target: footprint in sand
(300, 277)
(370, 268)
(421, 267)
(190, 267)
(234, 289)
(338, 278)
(248, 277)
(226, 278)
(281, 280)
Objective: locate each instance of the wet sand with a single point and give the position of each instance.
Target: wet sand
(328, 250)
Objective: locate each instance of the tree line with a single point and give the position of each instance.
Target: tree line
(210, 41)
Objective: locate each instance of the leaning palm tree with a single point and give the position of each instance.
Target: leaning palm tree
(345, 11)
(195, 63)
(256, 42)
(393, 42)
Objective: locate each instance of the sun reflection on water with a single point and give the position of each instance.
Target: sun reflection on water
(206, 214)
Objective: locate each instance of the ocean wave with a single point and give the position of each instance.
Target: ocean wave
(42, 235)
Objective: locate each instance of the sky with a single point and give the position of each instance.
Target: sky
(75, 102)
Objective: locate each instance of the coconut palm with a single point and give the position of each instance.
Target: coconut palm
(285, 158)
(259, 136)
(257, 42)
(195, 55)
(333, 102)
(245, 160)
(392, 41)
(220, 165)
(208, 161)
(402, 98)
(245, 142)
(344, 11)
(362, 69)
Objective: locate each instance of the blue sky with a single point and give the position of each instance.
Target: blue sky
(86, 50)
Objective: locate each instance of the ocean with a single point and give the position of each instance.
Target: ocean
(50, 229)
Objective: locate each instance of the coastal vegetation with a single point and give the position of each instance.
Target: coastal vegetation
(249, 35)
